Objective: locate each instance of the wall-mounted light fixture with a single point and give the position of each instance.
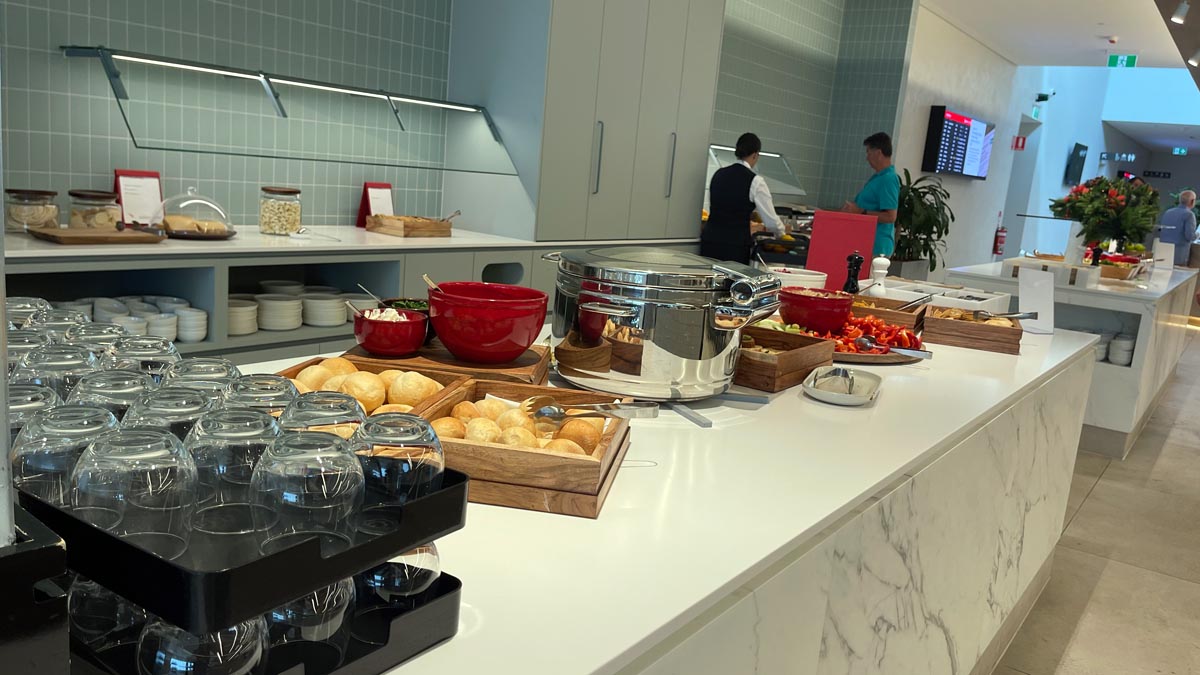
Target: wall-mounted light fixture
(1195, 59)
(1180, 12)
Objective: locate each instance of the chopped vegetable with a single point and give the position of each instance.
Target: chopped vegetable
(407, 304)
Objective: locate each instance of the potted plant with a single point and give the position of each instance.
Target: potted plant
(1109, 209)
(922, 221)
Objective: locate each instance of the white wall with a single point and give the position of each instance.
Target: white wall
(950, 68)
(1160, 95)
(1185, 173)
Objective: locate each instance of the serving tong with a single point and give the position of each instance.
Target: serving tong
(548, 407)
(868, 342)
(984, 315)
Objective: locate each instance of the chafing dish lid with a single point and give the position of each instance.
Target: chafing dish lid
(645, 266)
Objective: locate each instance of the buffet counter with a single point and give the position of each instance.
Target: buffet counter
(1153, 309)
(908, 536)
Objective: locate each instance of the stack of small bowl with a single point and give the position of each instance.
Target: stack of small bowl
(134, 325)
(322, 289)
(323, 309)
(1120, 350)
(243, 315)
(279, 311)
(193, 324)
(282, 287)
(360, 301)
(163, 325)
(106, 309)
(142, 309)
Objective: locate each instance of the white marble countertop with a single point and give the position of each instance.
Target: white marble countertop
(694, 513)
(1159, 283)
(250, 242)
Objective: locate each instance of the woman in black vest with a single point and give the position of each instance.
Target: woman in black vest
(734, 193)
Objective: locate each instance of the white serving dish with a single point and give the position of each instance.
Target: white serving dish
(797, 276)
(997, 303)
(866, 387)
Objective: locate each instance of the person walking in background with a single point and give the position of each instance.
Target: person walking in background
(880, 197)
(734, 193)
(1178, 227)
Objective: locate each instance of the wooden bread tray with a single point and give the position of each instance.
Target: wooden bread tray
(776, 372)
(448, 380)
(532, 478)
(408, 226)
(973, 335)
(885, 308)
(93, 236)
(532, 367)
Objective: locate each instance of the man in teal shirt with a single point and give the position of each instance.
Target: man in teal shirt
(880, 197)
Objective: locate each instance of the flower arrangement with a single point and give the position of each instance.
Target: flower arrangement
(1110, 209)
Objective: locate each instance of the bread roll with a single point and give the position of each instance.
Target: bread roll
(490, 408)
(180, 223)
(543, 442)
(581, 433)
(301, 388)
(465, 411)
(314, 376)
(516, 418)
(564, 445)
(482, 430)
(546, 429)
(211, 226)
(518, 437)
(597, 422)
(334, 383)
(412, 388)
(449, 427)
(389, 376)
(392, 408)
(366, 387)
(339, 366)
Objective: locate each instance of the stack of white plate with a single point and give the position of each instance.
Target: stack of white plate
(127, 299)
(1120, 350)
(163, 325)
(106, 309)
(193, 324)
(279, 311)
(282, 286)
(243, 316)
(322, 289)
(323, 309)
(242, 296)
(359, 300)
(169, 304)
(134, 325)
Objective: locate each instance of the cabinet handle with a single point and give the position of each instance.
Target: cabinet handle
(671, 164)
(599, 154)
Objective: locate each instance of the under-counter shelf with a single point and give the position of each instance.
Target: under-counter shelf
(301, 334)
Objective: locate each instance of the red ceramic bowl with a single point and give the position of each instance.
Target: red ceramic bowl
(487, 323)
(391, 338)
(824, 312)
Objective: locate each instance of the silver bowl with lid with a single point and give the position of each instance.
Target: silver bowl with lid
(654, 323)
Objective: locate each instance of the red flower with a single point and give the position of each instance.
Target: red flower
(1112, 192)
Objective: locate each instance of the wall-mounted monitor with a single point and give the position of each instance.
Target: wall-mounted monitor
(957, 144)
(1074, 172)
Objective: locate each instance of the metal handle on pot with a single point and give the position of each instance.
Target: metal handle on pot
(747, 287)
(609, 310)
(553, 256)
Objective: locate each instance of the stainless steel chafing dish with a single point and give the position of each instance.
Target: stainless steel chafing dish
(653, 323)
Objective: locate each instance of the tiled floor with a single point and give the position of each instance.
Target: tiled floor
(1124, 594)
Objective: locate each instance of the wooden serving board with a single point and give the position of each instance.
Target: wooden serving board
(534, 478)
(874, 359)
(973, 335)
(408, 226)
(532, 367)
(88, 236)
(776, 372)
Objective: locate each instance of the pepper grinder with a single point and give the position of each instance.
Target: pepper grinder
(879, 271)
(854, 263)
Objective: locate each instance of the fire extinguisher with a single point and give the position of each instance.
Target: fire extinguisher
(998, 243)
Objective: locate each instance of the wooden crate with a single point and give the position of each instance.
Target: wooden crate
(973, 335)
(408, 226)
(532, 367)
(448, 380)
(532, 478)
(776, 372)
(885, 308)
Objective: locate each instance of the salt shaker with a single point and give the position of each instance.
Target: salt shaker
(879, 272)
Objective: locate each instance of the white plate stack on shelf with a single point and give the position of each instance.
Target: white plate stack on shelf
(163, 326)
(282, 287)
(279, 311)
(134, 325)
(359, 300)
(322, 289)
(323, 309)
(193, 324)
(1120, 350)
(167, 303)
(106, 309)
(243, 316)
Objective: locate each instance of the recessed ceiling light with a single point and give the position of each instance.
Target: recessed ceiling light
(1195, 60)
(1180, 12)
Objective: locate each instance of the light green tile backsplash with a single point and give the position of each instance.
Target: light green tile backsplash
(62, 128)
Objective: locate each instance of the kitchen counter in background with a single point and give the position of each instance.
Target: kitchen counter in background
(1155, 309)
(793, 536)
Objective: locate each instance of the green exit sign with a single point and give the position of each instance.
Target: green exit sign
(1178, 151)
(1122, 60)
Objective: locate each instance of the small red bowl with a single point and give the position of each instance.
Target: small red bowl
(391, 338)
(825, 312)
(487, 323)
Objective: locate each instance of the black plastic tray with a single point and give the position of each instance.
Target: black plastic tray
(33, 613)
(431, 618)
(204, 601)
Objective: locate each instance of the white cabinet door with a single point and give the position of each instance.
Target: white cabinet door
(572, 67)
(657, 139)
(701, 59)
(623, 45)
